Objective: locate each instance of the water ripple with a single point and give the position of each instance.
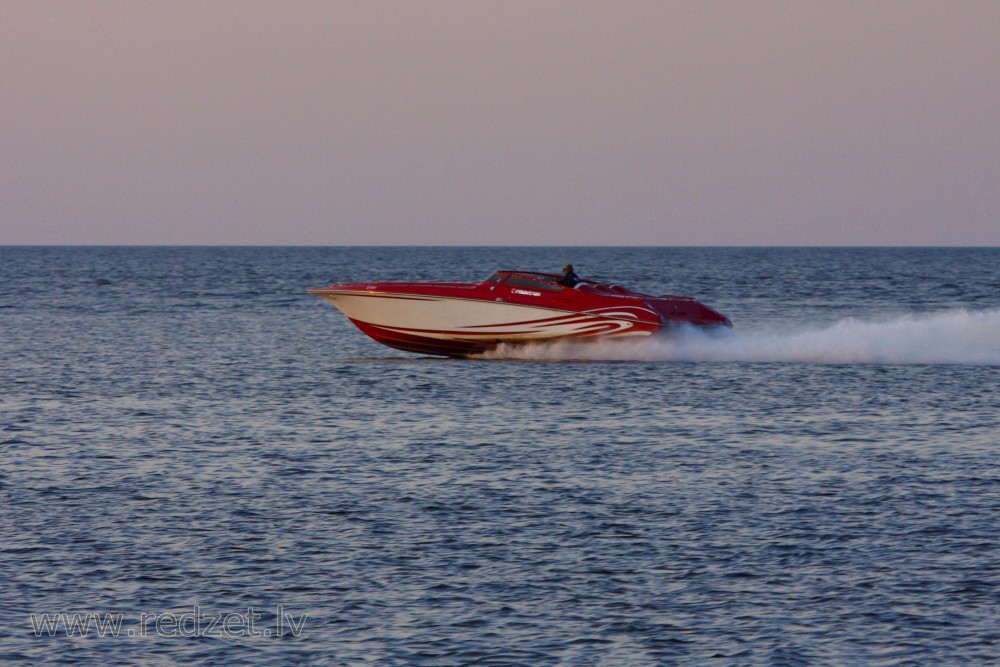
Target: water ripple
(186, 427)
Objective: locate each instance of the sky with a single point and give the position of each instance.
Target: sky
(541, 122)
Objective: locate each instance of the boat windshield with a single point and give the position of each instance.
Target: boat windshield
(551, 277)
(534, 280)
(522, 280)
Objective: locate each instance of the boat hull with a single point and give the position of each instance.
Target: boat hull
(509, 307)
(449, 326)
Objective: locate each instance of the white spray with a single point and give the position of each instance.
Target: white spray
(948, 337)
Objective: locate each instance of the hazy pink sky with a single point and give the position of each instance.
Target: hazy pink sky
(506, 123)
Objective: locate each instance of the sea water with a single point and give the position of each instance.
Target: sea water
(186, 434)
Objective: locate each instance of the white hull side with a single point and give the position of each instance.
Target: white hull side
(472, 320)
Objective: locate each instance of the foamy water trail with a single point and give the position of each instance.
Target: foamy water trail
(948, 337)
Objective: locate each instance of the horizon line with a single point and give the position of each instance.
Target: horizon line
(433, 245)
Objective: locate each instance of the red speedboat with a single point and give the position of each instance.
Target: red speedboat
(460, 319)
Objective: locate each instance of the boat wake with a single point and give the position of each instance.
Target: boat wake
(947, 337)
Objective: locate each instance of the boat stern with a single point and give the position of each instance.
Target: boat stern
(680, 310)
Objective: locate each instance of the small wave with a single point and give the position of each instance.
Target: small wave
(947, 337)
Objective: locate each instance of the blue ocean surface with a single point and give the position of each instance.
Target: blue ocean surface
(186, 432)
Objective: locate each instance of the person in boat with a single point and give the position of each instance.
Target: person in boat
(569, 277)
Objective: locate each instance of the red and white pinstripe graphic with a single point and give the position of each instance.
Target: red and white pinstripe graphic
(602, 321)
